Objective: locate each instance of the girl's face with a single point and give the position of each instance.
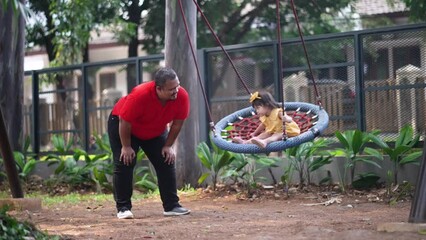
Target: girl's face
(262, 110)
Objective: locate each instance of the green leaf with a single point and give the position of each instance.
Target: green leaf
(378, 141)
(325, 180)
(58, 143)
(368, 161)
(267, 161)
(19, 159)
(365, 181)
(405, 136)
(224, 160)
(146, 183)
(374, 153)
(60, 168)
(357, 141)
(399, 151)
(99, 156)
(413, 158)
(100, 176)
(342, 139)
(29, 167)
(203, 177)
(204, 154)
(27, 144)
(338, 152)
(319, 162)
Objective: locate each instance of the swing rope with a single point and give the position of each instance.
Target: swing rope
(280, 62)
(311, 119)
(280, 51)
(221, 45)
(211, 123)
(293, 7)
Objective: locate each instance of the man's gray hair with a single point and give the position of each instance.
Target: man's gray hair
(163, 75)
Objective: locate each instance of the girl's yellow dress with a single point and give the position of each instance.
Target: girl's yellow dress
(273, 124)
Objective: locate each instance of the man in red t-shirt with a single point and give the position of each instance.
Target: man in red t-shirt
(140, 120)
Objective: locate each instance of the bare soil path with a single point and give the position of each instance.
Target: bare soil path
(301, 216)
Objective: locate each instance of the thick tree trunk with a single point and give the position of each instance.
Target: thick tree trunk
(11, 73)
(178, 56)
(11, 91)
(134, 17)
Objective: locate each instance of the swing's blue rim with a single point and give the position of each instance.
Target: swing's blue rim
(277, 146)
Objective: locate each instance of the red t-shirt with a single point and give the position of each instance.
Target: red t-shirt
(144, 111)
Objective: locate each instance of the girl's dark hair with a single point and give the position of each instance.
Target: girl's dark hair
(265, 99)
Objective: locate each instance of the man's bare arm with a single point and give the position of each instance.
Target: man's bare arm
(125, 131)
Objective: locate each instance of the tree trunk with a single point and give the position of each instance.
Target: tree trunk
(134, 17)
(11, 73)
(178, 56)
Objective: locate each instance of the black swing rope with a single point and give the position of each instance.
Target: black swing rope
(296, 18)
(306, 107)
(211, 123)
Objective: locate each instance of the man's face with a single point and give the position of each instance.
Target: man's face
(169, 90)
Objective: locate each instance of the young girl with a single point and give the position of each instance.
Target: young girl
(271, 119)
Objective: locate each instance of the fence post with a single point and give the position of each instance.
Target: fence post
(35, 111)
(418, 206)
(86, 123)
(359, 82)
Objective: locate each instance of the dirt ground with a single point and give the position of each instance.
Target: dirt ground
(299, 216)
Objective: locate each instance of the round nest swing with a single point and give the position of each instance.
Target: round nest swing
(312, 120)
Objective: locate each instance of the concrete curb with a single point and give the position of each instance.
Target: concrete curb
(20, 204)
(402, 227)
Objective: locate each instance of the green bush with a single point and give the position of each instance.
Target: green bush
(214, 160)
(355, 151)
(308, 157)
(11, 229)
(403, 151)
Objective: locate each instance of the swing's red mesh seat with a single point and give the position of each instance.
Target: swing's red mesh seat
(248, 125)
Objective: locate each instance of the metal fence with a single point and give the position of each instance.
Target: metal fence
(373, 79)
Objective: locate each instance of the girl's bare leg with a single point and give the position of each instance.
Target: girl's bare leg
(240, 140)
(237, 140)
(259, 142)
(260, 139)
(262, 143)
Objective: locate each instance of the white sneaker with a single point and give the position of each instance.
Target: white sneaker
(125, 214)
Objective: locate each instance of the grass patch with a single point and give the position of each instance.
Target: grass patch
(77, 198)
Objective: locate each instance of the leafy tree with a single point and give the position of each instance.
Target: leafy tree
(64, 27)
(417, 9)
(247, 21)
(132, 19)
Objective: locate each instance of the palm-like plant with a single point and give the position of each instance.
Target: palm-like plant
(25, 160)
(308, 157)
(398, 153)
(214, 160)
(354, 150)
